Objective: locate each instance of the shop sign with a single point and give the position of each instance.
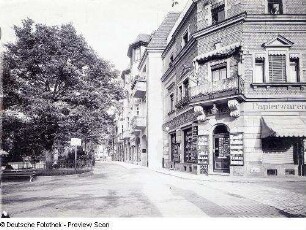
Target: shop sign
(236, 149)
(279, 106)
(203, 149)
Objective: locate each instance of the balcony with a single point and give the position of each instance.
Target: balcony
(139, 87)
(183, 103)
(138, 123)
(218, 90)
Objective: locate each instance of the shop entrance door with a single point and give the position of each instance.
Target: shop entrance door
(221, 149)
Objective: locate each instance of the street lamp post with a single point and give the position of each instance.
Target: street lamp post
(75, 142)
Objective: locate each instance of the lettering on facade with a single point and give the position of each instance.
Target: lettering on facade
(279, 106)
(181, 119)
(236, 149)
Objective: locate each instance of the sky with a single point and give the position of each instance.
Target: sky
(109, 26)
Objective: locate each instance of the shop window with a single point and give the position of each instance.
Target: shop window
(276, 144)
(218, 14)
(294, 70)
(189, 155)
(219, 73)
(174, 149)
(272, 172)
(277, 68)
(275, 6)
(259, 71)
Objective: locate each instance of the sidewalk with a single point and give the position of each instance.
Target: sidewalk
(213, 178)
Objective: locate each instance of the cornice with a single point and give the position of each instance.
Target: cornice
(287, 18)
(233, 20)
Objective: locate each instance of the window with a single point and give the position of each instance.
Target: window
(137, 110)
(219, 73)
(259, 72)
(171, 102)
(294, 70)
(277, 68)
(171, 60)
(180, 92)
(137, 54)
(185, 38)
(275, 7)
(186, 88)
(218, 14)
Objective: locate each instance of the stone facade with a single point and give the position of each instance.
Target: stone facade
(243, 65)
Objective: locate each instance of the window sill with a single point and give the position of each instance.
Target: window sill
(284, 84)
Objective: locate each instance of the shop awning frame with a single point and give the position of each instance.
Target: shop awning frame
(282, 126)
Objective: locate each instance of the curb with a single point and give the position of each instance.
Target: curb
(212, 178)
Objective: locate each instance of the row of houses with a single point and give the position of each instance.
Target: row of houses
(219, 88)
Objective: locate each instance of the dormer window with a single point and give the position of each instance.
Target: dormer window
(218, 14)
(275, 6)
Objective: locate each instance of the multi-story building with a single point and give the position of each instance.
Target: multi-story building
(139, 125)
(234, 88)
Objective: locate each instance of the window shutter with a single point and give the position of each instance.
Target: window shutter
(277, 68)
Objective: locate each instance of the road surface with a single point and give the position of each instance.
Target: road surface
(113, 190)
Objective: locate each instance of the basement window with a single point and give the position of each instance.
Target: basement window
(272, 172)
(289, 172)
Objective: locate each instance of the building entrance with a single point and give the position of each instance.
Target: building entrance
(221, 149)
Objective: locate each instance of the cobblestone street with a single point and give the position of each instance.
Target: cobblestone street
(121, 190)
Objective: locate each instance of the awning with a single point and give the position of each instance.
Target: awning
(282, 126)
(226, 50)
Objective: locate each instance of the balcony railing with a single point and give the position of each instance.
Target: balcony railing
(138, 122)
(183, 102)
(217, 89)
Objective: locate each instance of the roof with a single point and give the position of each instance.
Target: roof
(182, 15)
(159, 37)
(142, 39)
(282, 126)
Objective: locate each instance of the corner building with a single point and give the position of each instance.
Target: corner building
(234, 88)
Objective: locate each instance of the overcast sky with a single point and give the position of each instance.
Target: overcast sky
(109, 26)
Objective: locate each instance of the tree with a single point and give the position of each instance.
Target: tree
(55, 87)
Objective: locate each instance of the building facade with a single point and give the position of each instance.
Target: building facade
(234, 93)
(139, 126)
